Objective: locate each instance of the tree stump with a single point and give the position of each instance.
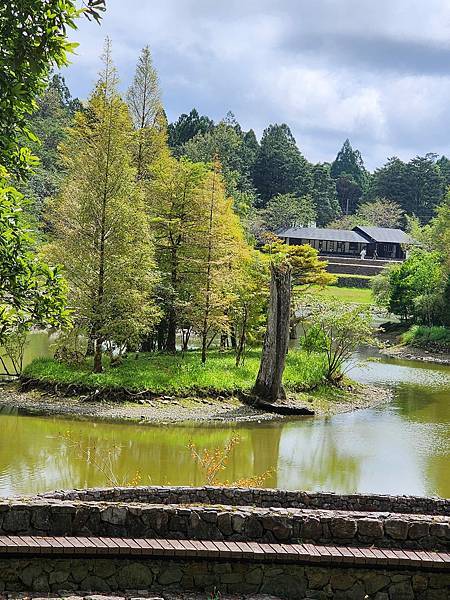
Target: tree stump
(268, 384)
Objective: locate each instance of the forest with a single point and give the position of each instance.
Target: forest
(160, 233)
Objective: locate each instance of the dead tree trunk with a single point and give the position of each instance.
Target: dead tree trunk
(268, 384)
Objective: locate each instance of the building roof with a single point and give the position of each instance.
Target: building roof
(315, 233)
(383, 234)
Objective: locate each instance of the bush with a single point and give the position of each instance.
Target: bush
(433, 338)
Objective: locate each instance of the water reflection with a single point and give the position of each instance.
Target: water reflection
(402, 447)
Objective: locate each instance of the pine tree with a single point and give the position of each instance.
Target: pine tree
(350, 175)
(280, 168)
(222, 253)
(324, 195)
(144, 101)
(100, 223)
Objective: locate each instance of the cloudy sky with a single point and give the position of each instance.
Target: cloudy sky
(376, 72)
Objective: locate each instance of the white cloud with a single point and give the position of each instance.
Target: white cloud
(376, 72)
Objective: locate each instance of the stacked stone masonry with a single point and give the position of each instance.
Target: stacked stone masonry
(264, 498)
(284, 581)
(227, 514)
(210, 522)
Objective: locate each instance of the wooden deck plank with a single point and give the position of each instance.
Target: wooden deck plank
(250, 550)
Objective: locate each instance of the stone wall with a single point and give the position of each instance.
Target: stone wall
(264, 498)
(56, 517)
(353, 282)
(283, 580)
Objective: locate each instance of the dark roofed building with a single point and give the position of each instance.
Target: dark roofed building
(383, 234)
(378, 242)
(384, 242)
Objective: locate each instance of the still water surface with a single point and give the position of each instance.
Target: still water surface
(399, 448)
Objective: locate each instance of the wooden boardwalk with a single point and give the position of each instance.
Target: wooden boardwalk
(62, 547)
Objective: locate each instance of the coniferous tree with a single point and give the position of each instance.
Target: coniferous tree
(222, 253)
(350, 176)
(444, 168)
(101, 228)
(186, 127)
(225, 143)
(280, 168)
(417, 186)
(324, 195)
(54, 114)
(176, 204)
(144, 101)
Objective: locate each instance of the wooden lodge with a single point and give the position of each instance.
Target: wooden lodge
(377, 242)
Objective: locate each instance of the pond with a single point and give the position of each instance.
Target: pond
(398, 448)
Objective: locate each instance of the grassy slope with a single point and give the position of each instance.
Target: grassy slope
(355, 295)
(424, 337)
(164, 373)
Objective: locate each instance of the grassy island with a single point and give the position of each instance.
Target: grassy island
(181, 373)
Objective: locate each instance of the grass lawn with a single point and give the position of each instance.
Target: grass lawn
(163, 373)
(346, 294)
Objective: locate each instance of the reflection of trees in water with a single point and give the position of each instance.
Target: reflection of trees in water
(424, 404)
(36, 454)
(312, 458)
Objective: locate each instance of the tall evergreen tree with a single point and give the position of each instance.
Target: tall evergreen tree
(350, 176)
(54, 114)
(144, 101)
(186, 127)
(101, 228)
(225, 142)
(426, 187)
(444, 168)
(417, 186)
(324, 195)
(280, 168)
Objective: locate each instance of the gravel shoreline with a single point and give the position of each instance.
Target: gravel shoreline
(413, 353)
(167, 410)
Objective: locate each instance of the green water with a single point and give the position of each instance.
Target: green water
(398, 448)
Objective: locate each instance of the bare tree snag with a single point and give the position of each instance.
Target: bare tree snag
(268, 384)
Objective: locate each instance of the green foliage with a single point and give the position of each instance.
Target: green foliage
(337, 329)
(350, 175)
(101, 230)
(147, 114)
(182, 373)
(412, 289)
(280, 168)
(54, 114)
(417, 186)
(427, 337)
(33, 34)
(324, 195)
(288, 210)
(377, 213)
(307, 268)
(31, 292)
(225, 142)
(187, 127)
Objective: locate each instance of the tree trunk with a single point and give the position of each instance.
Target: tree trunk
(90, 345)
(171, 343)
(242, 339)
(268, 384)
(161, 336)
(233, 336)
(98, 367)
